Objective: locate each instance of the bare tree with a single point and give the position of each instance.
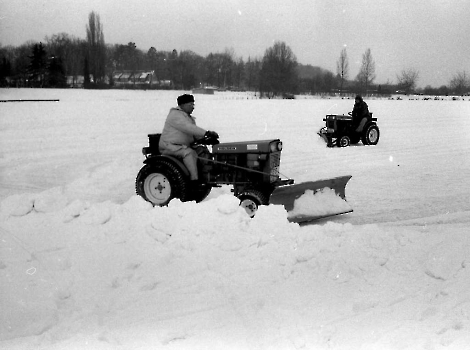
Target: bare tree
(342, 67)
(367, 72)
(219, 68)
(278, 71)
(152, 58)
(227, 66)
(239, 69)
(96, 47)
(252, 69)
(187, 65)
(460, 83)
(58, 45)
(406, 81)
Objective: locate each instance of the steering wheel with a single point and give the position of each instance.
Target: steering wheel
(206, 140)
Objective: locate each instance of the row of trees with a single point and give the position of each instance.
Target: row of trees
(406, 80)
(47, 64)
(276, 73)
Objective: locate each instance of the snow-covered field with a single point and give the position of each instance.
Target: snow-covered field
(87, 264)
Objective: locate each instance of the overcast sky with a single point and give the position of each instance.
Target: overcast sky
(430, 36)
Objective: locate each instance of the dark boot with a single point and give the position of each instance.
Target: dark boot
(197, 185)
(196, 190)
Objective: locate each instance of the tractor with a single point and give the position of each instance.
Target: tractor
(251, 167)
(339, 131)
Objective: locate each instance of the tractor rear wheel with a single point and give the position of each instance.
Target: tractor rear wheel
(160, 182)
(371, 135)
(250, 200)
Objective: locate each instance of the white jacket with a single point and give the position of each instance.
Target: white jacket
(180, 129)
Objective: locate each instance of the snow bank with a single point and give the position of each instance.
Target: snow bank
(203, 275)
(85, 264)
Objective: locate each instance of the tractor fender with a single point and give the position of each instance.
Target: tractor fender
(177, 162)
(368, 124)
(364, 125)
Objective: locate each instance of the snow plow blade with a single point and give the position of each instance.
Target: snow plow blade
(313, 200)
(322, 134)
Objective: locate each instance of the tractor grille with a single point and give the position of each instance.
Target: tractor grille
(331, 124)
(274, 162)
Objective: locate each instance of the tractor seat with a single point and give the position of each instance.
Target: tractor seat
(152, 148)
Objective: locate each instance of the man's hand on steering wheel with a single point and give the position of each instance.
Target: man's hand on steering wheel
(211, 135)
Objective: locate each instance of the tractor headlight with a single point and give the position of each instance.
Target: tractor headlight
(276, 146)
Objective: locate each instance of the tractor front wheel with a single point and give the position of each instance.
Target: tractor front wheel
(250, 200)
(343, 141)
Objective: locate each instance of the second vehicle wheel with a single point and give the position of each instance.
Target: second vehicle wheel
(160, 182)
(250, 200)
(343, 141)
(371, 135)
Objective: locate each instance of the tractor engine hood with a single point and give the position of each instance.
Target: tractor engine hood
(262, 146)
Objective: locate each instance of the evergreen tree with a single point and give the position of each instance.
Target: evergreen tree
(86, 74)
(5, 71)
(56, 73)
(38, 65)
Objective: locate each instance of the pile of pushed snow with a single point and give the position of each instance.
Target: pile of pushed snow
(319, 203)
(101, 275)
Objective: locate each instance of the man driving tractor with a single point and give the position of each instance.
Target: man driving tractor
(179, 131)
(359, 114)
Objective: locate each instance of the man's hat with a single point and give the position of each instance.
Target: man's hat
(186, 98)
